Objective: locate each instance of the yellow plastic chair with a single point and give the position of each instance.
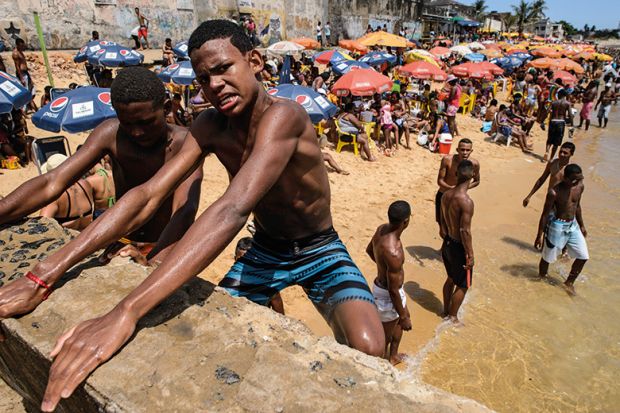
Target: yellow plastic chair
(464, 103)
(369, 128)
(345, 138)
(472, 102)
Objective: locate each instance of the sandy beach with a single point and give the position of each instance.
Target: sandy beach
(359, 204)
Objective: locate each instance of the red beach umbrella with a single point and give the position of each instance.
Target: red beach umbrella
(440, 51)
(566, 77)
(473, 70)
(362, 82)
(423, 70)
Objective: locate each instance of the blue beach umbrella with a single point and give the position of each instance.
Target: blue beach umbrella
(475, 57)
(115, 56)
(507, 62)
(180, 49)
(345, 66)
(522, 56)
(317, 106)
(12, 93)
(285, 73)
(330, 56)
(180, 73)
(377, 58)
(78, 110)
(91, 48)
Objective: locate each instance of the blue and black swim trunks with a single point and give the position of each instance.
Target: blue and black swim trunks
(320, 264)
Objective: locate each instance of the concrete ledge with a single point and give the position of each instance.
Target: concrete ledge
(201, 350)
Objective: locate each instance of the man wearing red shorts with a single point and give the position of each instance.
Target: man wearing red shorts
(143, 32)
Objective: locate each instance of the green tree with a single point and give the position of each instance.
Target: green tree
(522, 13)
(569, 29)
(508, 21)
(480, 8)
(586, 29)
(528, 13)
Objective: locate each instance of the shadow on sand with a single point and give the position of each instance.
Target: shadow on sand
(426, 298)
(423, 252)
(520, 244)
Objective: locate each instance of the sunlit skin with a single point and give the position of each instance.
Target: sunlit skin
(271, 152)
(138, 143)
(564, 201)
(554, 170)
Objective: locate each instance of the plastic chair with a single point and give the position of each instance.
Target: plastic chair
(345, 138)
(43, 148)
(464, 103)
(472, 102)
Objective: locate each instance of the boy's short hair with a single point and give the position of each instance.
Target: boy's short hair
(219, 29)
(137, 84)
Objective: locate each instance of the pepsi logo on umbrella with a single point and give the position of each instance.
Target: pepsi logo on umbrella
(172, 67)
(59, 104)
(104, 97)
(304, 100)
(272, 92)
(125, 52)
(100, 52)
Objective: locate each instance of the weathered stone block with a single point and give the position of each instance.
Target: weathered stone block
(201, 350)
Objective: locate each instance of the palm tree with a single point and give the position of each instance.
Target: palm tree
(480, 8)
(508, 21)
(537, 10)
(522, 14)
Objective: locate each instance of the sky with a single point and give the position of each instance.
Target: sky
(605, 14)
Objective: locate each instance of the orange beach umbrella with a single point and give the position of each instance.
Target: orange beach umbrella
(307, 42)
(423, 70)
(353, 46)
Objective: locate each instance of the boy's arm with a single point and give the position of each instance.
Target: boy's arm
(83, 348)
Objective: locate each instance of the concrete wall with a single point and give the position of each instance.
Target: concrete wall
(350, 18)
(67, 23)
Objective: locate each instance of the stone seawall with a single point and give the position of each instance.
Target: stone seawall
(201, 350)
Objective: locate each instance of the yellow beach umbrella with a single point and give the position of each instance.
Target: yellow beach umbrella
(604, 57)
(382, 38)
(418, 54)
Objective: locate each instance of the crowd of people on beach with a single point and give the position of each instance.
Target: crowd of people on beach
(133, 187)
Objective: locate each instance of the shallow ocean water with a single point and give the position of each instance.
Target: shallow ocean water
(526, 345)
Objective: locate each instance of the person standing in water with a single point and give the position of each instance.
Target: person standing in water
(561, 225)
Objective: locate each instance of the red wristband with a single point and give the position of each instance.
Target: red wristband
(41, 283)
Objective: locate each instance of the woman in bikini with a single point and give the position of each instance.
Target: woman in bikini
(75, 207)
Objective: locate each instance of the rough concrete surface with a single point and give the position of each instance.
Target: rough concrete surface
(201, 350)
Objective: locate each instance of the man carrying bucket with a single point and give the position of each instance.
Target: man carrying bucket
(447, 177)
(457, 251)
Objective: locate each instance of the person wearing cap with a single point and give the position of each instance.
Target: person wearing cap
(608, 96)
(75, 207)
(453, 103)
